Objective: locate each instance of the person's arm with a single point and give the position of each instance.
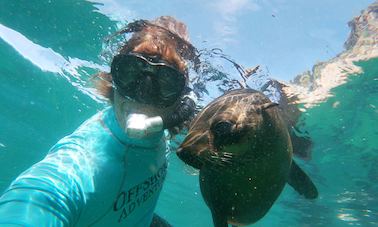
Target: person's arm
(50, 193)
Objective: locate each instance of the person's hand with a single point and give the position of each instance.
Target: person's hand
(182, 115)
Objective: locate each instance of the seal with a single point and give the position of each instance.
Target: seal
(242, 147)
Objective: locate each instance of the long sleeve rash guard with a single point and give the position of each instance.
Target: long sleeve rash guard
(97, 176)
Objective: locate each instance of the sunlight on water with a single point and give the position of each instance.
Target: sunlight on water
(44, 58)
(346, 215)
(48, 60)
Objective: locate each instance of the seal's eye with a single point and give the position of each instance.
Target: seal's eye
(222, 128)
(223, 133)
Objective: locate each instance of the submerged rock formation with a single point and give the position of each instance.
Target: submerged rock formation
(312, 87)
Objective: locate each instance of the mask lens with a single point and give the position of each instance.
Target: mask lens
(171, 84)
(147, 82)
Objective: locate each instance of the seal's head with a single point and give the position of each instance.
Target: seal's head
(227, 128)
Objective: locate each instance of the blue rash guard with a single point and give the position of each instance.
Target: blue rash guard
(97, 176)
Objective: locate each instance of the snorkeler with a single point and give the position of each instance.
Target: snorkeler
(110, 171)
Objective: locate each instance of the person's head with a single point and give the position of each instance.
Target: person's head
(150, 73)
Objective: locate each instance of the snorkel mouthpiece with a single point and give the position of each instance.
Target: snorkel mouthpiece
(140, 125)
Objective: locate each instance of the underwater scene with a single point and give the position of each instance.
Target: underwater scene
(326, 83)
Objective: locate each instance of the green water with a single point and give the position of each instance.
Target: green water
(39, 106)
(345, 154)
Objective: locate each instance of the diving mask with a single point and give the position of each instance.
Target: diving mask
(147, 79)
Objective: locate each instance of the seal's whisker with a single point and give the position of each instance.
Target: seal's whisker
(227, 154)
(216, 159)
(215, 162)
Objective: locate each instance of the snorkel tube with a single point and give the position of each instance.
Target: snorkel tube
(140, 125)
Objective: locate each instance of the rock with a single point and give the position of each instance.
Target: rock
(312, 87)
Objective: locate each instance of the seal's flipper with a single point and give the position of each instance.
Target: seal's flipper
(219, 219)
(301, 142)
(301, 182)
